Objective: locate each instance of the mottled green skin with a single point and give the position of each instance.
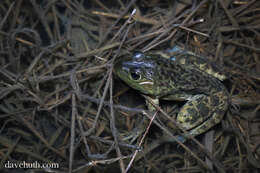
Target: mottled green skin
(183, 78)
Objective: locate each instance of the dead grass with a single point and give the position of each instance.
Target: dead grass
(60, 102)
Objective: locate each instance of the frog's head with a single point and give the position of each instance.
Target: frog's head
(138, 72)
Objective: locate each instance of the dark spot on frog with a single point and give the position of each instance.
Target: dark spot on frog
(163, 72)
(193, 117)
(214, 101)
(203, 109)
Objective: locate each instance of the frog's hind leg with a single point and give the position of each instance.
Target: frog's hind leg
(202, 112)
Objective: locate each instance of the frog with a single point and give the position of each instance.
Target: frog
(179, 75)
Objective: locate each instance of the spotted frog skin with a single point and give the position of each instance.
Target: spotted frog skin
(182, 76)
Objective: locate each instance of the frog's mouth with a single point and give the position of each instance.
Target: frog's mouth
(146, 83)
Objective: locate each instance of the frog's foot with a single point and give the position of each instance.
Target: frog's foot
(202, 112)
(181, 138)
(134, 135)
(177, 138)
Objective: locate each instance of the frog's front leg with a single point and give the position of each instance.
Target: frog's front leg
(202, 112)
(150, 105)
(142, 126)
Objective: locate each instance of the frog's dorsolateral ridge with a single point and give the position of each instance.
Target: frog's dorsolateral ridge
(179, 78)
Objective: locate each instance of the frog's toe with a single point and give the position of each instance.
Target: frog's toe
(177, 138)
(181, 139)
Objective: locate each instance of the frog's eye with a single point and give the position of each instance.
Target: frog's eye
(135, 75)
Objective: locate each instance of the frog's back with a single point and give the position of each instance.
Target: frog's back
(190, 59)
(180, 80)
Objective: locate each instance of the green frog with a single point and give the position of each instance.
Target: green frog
(181, 76)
